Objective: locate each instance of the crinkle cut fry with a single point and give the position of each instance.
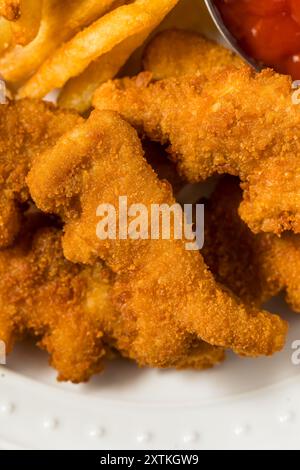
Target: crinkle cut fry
(254, 267)
(26, 138)
(223, 125)
(67, 306)
(78, 91)
(159, 282)
(27, 127)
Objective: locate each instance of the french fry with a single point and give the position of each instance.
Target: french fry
(59, 21)
(27, 26)
(10, 9)
(101, 37)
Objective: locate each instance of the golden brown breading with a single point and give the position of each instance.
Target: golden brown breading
(196, 354)
(238, 122)
(31, 126)
(163, 292)
(67, 306)
(254, 267)
(174, 52)
(27, 127)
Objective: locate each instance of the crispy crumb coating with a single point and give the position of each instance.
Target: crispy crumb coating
(27, 127)
(254, 267)
(237, 122)
(164, 292)
(175, 52)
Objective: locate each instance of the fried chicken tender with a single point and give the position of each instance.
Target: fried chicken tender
(27, 127)
(254, 267)
(164, 293)
(237, 122)
(174, 52)
(60, 303)
(67, 306)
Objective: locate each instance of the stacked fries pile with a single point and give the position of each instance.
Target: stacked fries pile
(73, 45)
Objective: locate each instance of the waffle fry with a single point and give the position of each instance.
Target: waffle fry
(72, 58)
(78, 92)
(10, 9)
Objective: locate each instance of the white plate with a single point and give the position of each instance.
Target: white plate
(242, 404)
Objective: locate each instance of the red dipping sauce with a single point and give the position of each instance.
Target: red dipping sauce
(268, 30)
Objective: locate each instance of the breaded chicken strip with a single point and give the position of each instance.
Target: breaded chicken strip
(164, 293)
(67, 307)
(27, 127)
(254, 267)
(174, 52)
(238, 122)
(60, 303)
(10, 9)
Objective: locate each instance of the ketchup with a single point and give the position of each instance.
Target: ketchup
(268, 30)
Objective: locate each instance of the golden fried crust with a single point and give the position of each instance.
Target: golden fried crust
(164, 292)
(67, 307)
(282, 265)
(156, 156)
(231, 250)
(201, 356)
(174, 53)
(44, 294)
(10, 9)
(254, 267)
(27, 127)
(223, 125)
